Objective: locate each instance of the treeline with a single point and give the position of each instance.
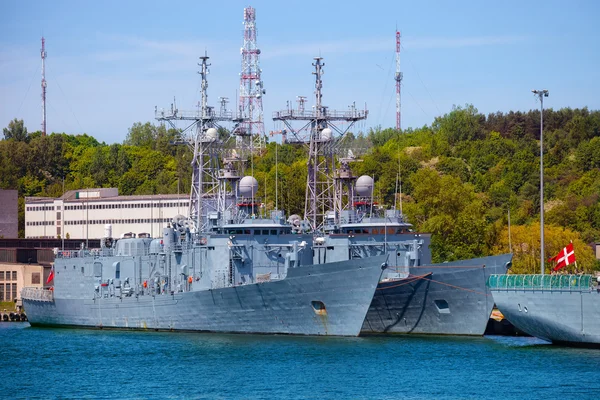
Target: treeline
(460, 177)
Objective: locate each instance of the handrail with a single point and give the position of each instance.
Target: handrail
(541, 282)
(40, 294)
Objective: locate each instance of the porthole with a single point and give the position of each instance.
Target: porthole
(319, 307)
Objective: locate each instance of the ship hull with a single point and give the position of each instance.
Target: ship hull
(276, 307)
(570, 317)
(438, 299)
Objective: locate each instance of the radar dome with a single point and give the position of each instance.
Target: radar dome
(364, 185)
(211, 134)
(248, 186)
(326, 134)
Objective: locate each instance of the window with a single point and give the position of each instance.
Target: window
(35, 278)
(14, 291)
(14, 275)
(1, 276)
(7, 292)
(1, 291)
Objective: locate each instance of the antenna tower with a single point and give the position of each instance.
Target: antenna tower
(322, 146)
(44, 54)
(250, 113)
(203, 138)
(398, 79)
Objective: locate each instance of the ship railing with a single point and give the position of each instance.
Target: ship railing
(104, 252)
(541, 282)
(39, 294)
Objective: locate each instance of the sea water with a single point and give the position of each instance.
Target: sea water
(79, 363)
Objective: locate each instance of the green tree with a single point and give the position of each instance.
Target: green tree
(16, 131)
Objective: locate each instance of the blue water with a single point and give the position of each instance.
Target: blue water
(73, 363)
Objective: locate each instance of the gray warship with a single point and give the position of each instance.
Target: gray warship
(224, 268)
(414, 295)
(562, 309)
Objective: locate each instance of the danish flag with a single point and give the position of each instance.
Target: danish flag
(564, 257)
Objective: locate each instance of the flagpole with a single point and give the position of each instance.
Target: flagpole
(541, 94)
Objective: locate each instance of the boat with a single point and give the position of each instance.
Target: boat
(222, 268)
(562, 309)
(414, 295)
(252, 277)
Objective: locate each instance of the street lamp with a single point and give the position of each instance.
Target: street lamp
(541, 94)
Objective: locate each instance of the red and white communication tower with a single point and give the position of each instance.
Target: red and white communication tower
(44, 54)
(398, 79)
(250, 111)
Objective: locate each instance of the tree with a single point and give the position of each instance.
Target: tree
(16, 131)
(142, 135)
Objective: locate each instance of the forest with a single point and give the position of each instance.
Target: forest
(461, 177)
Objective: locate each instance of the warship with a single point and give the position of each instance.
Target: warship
(223, 268)
(562, 309)
(414, 295)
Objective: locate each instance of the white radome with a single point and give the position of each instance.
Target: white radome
(364, 185)
(248, 186)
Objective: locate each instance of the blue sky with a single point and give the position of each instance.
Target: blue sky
(109, 63)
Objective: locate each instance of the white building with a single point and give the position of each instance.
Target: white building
(81, 214)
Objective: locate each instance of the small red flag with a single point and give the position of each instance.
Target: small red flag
(564, 257)
(51, 276)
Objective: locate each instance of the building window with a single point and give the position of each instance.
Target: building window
(35, 278)
(58, 216)
(14, 291)
(1, 291)
(1, 275)
(14, 275)
(7, 292)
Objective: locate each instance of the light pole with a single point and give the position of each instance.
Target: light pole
(541, 94)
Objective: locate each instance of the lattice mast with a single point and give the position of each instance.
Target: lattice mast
(206, 145)
(398, 79)
(44, 55)
(250, 111)
(322, 148)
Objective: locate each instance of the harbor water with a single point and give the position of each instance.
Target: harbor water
(78, 363)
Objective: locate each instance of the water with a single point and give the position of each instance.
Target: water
(77, 363)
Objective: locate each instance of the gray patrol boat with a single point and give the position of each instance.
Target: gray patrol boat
(414, 295)
(252, 277)
(223, 269)
(562, 309)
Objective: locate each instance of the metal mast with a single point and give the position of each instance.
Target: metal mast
(322, 148)
(398, 79)
(44, 54)
(205, 143)
(250, 111)
(541, 94)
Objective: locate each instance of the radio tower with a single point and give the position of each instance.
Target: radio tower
(398, 79)
(44, 54)
(250, 111)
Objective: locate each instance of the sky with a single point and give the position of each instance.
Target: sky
(110, 63)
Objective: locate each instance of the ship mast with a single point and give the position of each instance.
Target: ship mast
(323, 145)
(203, 138)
